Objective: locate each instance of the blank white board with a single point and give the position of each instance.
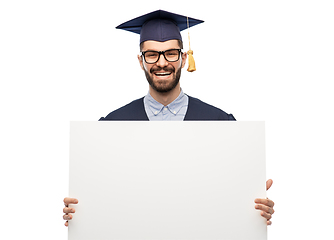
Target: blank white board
(167, 180)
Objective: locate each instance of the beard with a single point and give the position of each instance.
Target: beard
(163, 87)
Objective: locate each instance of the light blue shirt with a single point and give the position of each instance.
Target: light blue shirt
(175, 111)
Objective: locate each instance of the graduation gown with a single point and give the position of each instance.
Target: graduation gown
(197, 111)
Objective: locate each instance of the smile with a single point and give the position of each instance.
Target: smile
(162, 73)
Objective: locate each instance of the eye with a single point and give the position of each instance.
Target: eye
(151, 54)
(172, 53)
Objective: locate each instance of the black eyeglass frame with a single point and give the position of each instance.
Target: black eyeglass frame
(161, 53)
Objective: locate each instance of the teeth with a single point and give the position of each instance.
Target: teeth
(163, 74)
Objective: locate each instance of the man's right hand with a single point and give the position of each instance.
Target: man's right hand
(67, 210)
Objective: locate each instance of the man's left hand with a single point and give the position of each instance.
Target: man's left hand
(266, 205)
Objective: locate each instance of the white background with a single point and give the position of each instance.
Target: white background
(260, 60)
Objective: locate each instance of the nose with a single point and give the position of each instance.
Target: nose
(162, 62)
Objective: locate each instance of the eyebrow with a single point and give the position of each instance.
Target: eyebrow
(161, 51)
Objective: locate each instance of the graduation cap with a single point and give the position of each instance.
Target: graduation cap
(162, 26)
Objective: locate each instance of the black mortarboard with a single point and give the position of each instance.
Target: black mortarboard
(159, 26)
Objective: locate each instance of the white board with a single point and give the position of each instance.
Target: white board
(167, 180)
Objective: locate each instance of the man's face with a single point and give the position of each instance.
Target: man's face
(163, 76)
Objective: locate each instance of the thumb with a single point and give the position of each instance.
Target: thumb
(269, 183)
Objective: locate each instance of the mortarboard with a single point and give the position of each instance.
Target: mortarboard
(161, 26)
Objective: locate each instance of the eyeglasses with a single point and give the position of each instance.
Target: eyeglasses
(171, 55)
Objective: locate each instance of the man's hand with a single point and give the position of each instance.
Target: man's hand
(67, 210)
(266, 205)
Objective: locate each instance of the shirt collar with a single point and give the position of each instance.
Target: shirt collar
(174, 107)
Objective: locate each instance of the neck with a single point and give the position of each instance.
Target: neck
(167, 97)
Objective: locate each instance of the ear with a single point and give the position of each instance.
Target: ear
(140, 59)
(184, 59)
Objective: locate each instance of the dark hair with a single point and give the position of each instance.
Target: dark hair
(179, 41)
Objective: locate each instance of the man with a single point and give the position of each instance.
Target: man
(162, 60)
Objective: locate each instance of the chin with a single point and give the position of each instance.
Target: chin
(162, 88)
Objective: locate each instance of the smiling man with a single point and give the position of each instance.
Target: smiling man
(162, 59)
(163, 69)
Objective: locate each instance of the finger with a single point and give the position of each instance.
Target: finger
(265, 201)
(269, 223)
(68, 200)
(265, 208)
(68, 210)
(269, 183)
(67, 217)
(266, 215)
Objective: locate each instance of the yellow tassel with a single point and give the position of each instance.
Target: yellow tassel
(191, 61)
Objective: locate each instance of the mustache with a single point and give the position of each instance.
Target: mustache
(168, 68)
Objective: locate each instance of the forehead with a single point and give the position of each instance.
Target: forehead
(160, 46)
